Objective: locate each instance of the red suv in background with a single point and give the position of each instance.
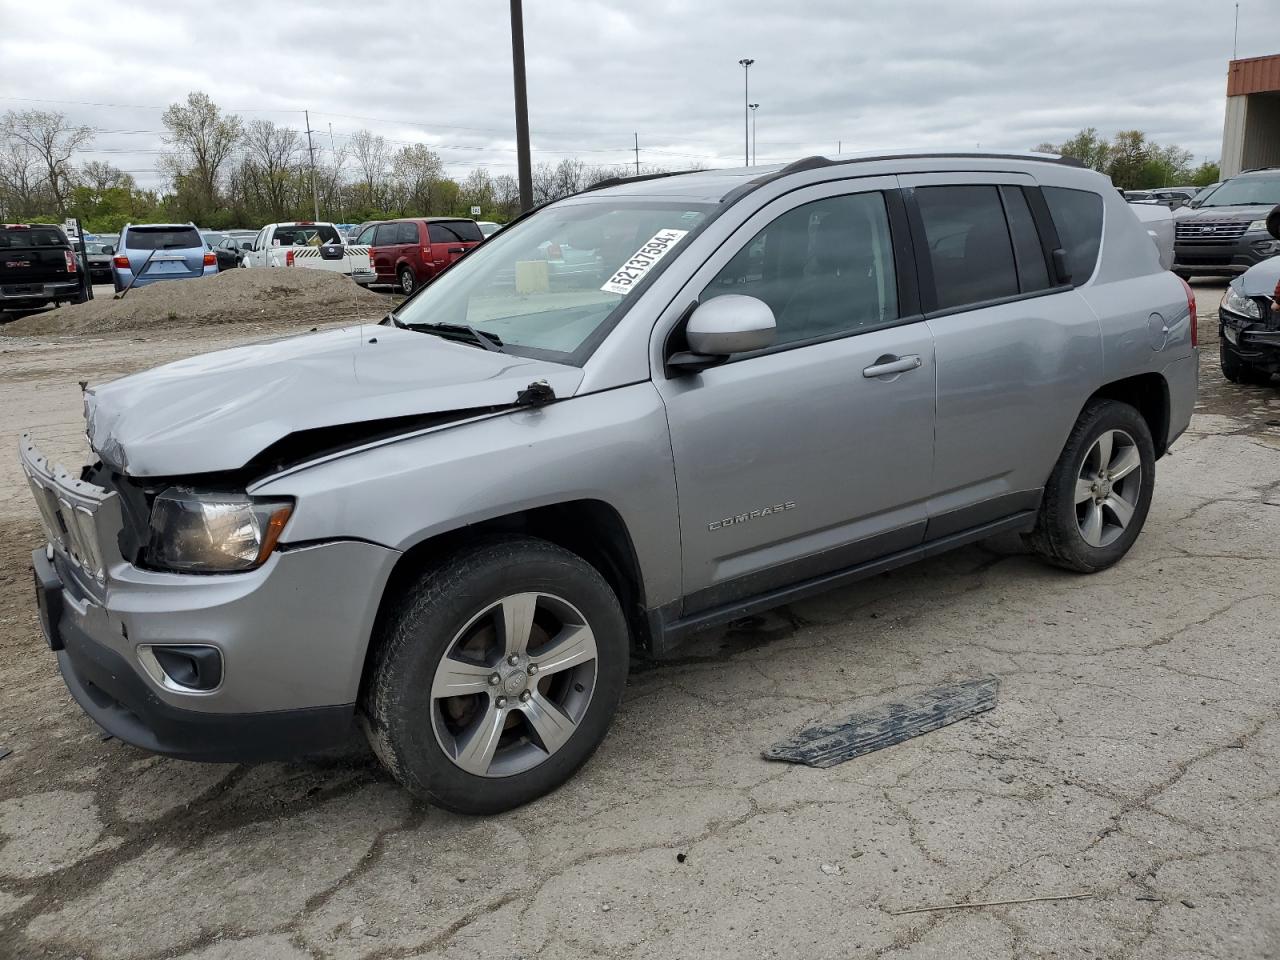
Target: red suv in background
(412, 251)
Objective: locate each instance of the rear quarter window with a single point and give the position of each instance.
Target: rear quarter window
(1077, 215)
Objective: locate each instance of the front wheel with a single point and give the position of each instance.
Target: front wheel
(497, 676)
(1098, 495)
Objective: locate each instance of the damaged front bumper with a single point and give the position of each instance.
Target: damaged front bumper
(1255, 341)
(286, 641)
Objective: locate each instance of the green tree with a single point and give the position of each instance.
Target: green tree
(202, 140)
(1205, 174)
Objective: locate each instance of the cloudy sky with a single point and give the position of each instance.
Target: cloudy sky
(871, 74)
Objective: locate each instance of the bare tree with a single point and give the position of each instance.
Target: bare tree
(370, 153)
(20, 181)
(98, 175)
(477, 190)
(272, 155)
(202, 139)
(53, 140)
(418, 172)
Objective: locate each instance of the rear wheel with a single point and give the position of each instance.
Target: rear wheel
(407, 280)
(498, 676)
(1097, 498)
(1239, 371)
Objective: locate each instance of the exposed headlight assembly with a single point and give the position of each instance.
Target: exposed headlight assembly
(1234, 302)
(1257, 225)
(206, 532)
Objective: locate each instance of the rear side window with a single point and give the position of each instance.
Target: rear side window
(1078, 216)
(968, 242)
(162, 238)
(468, 231)
(406, 233)
(1033, 272)
(31, 237)
(442, 233)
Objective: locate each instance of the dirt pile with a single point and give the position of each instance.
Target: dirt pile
(285, 296)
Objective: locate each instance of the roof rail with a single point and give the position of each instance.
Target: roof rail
(818, 162)
(619, 181)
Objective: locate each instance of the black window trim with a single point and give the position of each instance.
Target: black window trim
(924, 267)
(908, 288)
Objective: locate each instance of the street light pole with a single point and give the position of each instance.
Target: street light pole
(523, 163)
(746, 112)
(754, 107)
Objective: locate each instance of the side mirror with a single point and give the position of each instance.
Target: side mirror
(723, 326)
(108, 250)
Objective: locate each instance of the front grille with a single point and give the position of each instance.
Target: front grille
(78, 517)
(1210, 231)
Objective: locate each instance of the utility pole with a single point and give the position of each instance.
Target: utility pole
(839, 147)
(746, 123)
(311, 152)
(523, 162)
(1235, 36)
(334, 150)
(637, 136)
(754, 107)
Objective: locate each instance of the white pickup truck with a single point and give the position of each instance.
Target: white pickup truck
(304, 243)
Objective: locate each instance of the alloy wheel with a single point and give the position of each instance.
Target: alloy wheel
(1108, 488)
(513, 685)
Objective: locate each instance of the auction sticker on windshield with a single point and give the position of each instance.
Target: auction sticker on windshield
(643, 260)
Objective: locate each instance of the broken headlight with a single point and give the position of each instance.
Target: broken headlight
(1235, 302)
(202, 532)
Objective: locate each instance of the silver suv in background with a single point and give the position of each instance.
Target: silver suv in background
(457, 526)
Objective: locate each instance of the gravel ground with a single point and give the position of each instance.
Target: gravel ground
(285, 296)
(1134, 759)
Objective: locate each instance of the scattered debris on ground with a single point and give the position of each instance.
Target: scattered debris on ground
(290, 296)
(885, 725)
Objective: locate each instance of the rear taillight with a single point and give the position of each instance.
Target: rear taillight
(1191, 306)
(120, 263)
(554, 252)
(288, 258)
(210, 259)
(371, 261)
(71, 261)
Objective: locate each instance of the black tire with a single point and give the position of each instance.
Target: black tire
(1238, 371)
(1058, 536)
(398, 712)
(407, 280)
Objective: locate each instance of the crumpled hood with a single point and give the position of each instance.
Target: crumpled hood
(1259, 280)
(216, 411)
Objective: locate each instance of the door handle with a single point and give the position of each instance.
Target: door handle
(890, 364)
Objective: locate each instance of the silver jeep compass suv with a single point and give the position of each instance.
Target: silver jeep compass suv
(457, 525)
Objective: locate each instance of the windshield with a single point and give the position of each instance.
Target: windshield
(547, 286)
(1245, 191)
(162, 238)
(304, 235)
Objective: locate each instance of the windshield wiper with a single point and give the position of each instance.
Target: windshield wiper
(464, 332)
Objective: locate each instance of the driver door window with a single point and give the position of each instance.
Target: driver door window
(825, 269)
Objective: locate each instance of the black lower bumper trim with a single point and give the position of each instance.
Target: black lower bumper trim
(119, 700)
